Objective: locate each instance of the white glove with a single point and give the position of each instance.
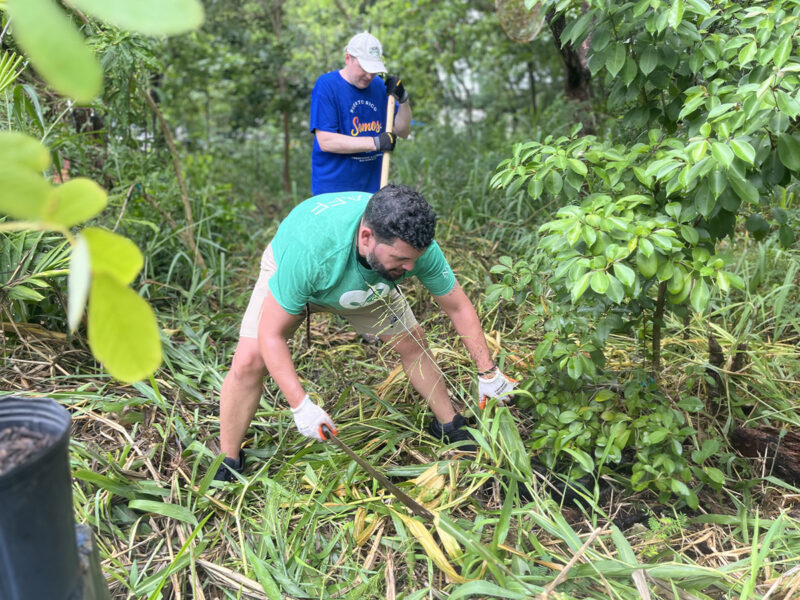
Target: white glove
(497, 386)
(308, 417)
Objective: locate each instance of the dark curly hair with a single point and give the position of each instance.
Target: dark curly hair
(398, 211)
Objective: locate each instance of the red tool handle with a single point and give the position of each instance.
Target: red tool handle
(326, 431)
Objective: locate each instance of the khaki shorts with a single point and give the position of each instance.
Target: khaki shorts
(390, 316)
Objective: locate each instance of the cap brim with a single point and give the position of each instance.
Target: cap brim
(372, 65)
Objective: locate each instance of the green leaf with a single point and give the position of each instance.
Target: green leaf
(616, 60)
(577, 166)
(757, 226)
(75, 201)
(700, 295)
(690, 234)
(743, 150)
(744, 189)
(676, 13)
(647, 265)
(747, 53)
(78, 281)
(787, 105)
(56, 48)
(123, 333)
(722, 154)
(583, 459)
(677, 486)
(789, 151)
(624, 273)
(113, 255)
(150, 17)
(173, 511)
(23, 150)
(615, 292)
(715, 474)
(783, 51)
(23, 193)
(649, 61)
(580, 286)
(599, 282)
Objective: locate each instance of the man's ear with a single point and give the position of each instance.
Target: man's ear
(366, 238)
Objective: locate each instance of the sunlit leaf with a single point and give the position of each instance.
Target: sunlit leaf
(75, 201)
(123, 333)
(24, 150)
(113, 255)
(151, 17)
(56, 48)
(23, 193)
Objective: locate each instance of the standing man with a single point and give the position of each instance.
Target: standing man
(348, 120)
(345, 253)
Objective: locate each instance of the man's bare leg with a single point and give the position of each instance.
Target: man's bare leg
(423, 372)
(241, 393)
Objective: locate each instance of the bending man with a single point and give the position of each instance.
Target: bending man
(344, 253)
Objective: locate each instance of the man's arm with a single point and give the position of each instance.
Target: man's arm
(274, 327)
(402, 120)
(339, 143)
(464, 318)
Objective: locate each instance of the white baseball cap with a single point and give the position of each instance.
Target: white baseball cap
(367, 49)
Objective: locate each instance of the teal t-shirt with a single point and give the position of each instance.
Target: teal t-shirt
(315, 252)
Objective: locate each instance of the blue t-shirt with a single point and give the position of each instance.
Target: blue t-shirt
(315, 253)
(340, 107)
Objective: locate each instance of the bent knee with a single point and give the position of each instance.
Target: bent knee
(247, 361)
(410, 343)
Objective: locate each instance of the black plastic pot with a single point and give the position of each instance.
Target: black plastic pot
(38, 549)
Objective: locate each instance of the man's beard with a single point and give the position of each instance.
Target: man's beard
(376, 266)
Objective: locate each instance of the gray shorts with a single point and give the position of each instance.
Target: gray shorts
(390, 316)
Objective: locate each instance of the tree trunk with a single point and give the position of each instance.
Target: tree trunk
(577, 77)
(780, 449)
(658, 320)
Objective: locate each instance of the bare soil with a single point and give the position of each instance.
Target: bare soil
(18, 443)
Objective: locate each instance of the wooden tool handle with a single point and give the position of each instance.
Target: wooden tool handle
(389, 127)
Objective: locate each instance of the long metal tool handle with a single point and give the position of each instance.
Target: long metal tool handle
(389, 128)
(409, 502)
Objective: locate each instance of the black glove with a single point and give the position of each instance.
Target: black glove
(394, 87)
(385, 141)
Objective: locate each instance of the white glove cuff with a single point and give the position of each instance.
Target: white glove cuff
(491, 379)
(305, 405)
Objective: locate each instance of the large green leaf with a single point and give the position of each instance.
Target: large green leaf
(744, 189)
(78, 281)
(24, 150)
(23, 193)
(151, 17)
(113, 255)
(789, 151)
(56, 48)
(123, 333)
(649, 60)
(616, 59)
(700, 295)
(75, 201)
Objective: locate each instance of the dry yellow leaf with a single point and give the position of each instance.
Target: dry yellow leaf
(424, 537)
